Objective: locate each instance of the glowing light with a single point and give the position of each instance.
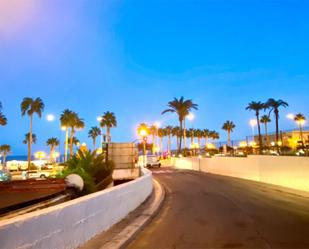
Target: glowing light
(190, 116)
(157, 124)
(253, 122)
(252, 143)
(99, 118)
(99, 151)
(56, 154)
(199, 156)
(243, 144)
(279, 143)
(50, 117)
(290, 116)
(40, 155)
(210, 146)
(143, 133)
(272, 143)
(63, 128)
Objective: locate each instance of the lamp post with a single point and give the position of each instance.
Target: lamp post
(190, 117)
(253, 123)
(143, 133)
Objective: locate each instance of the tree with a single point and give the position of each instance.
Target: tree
(274, 106)
(300, 120)
(65, 119)
(93, 133)
(161, 134)
(30, 107)
(257, 106)
(52, 142)
(3, 119)
(206, 135)
(190, 134)
(108, 120)
(27, 139)
(76, 123)
(182, 108)
(176, 133)
(5, 149)
(153, 131)
(169, 130)
(265, 119)
(229, 127)
(199, 135)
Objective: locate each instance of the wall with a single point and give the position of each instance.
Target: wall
(291, 172)
(71, 224)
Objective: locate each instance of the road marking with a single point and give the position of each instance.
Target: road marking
(162, 171)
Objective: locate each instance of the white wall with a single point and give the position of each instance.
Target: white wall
(71, 224)
(291, 172)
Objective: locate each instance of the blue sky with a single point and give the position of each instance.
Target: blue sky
(132, 57)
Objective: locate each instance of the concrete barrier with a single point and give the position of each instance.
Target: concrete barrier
(291, 172)
(71, 224)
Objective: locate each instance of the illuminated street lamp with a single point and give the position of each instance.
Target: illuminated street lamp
(50, 117)
(40, 155)
(190, 117)
(143, 132)
(290, 116)
(253, 123)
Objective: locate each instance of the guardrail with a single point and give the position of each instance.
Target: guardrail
(71, 224)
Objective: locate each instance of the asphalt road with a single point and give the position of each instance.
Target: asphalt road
(210, 211)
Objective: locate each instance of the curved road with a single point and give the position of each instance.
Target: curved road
(210, 211)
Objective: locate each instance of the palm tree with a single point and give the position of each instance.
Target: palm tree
(27, 139)
(214, 135)
(199, 135)
(76, 141)
(300, 120)
(65, 119)
(176, 133)
(153, 131)
(182, 108)
(274, 106)
(3, 120)
(229, 127)
(257, 106)
(169, 130)
(30, 107)
(108, 120)
(5, 149)
(76, 123)
(161, 134)
(190, 134)
(53, 142)
(93, 133)
(265, 119)
(206, 135)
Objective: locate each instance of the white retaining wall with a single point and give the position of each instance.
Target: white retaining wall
(291, 172)
(71, 224)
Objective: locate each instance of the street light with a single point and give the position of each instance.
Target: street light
(143, 132)
(253, 123)
(50, 117)
(290, 116)
(190, 117)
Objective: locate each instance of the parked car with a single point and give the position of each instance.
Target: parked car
(32, 174)
(152, 161)
(5, 176)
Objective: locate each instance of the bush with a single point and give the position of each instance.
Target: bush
(89, 166)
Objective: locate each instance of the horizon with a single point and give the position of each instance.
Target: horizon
(132, 58)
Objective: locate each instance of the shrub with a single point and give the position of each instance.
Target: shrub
(91, 167)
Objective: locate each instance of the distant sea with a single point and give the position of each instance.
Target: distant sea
(22, 158)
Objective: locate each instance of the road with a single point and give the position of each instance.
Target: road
(210, 211)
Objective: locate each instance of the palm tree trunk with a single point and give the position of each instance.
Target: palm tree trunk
(277, 126)
(266, 135)
(228, 138)
(259, 131)
(177, 141)
(192, 140)
(30, 142)
(161, 145)
(180, 137)
(301, 133)
(71, 141)
(94, 144)
(108, 133)
(206, 140)
(66, 144)
(51, 155)
(169, 145)
(153, 144)
(4, 160)
(199, 142)
(184, 134)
